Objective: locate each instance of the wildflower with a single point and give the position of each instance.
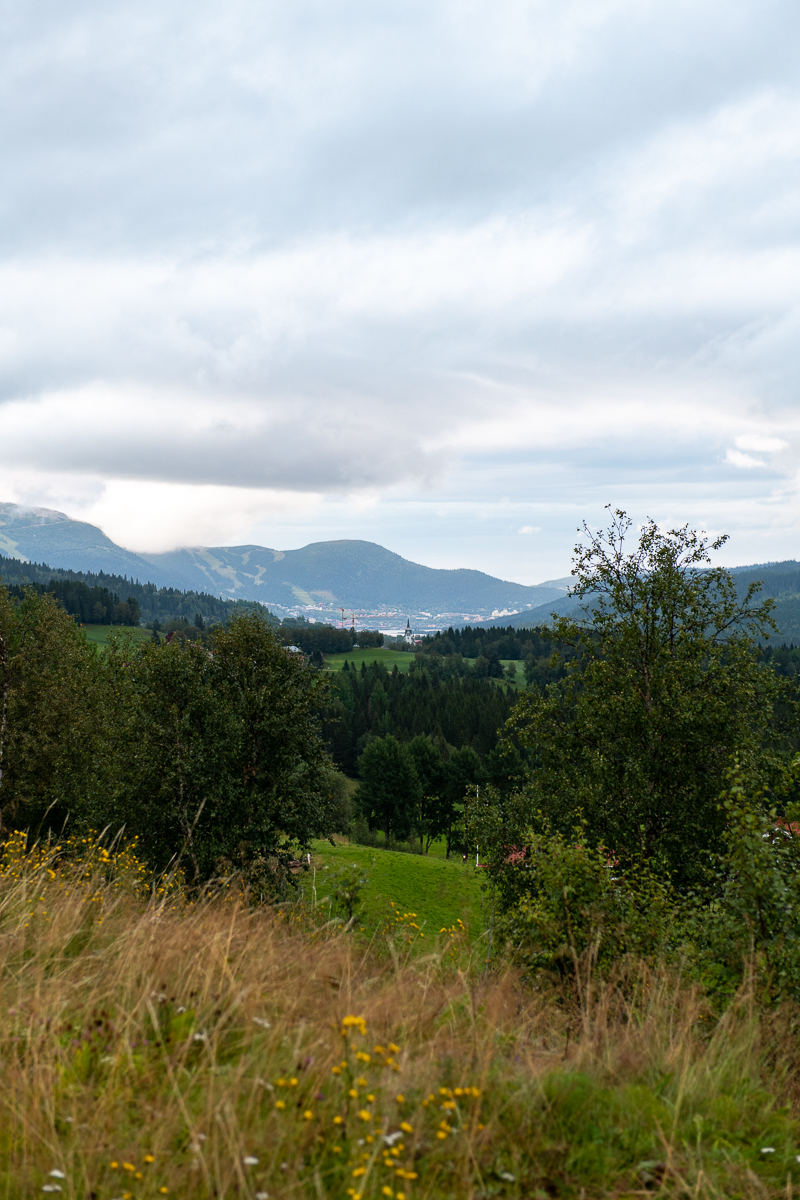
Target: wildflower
(163, 1190)
(352, 1093)
(387, 1191)
(400, 1098)
(308, 1115)
(114, 1166)
(359, 1171)
(394, 1049)
(337, 1149)
(338, 1120)
(362, 1057)
(128, 1167)
(336, 1070)
(406, 1128)
(56, 1174)
(292, 1082)
(351, 1022)
(365, 1115)
(250, 1161)
(148, 1158)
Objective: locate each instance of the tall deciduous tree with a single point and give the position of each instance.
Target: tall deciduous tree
(430, 821)
(220, 758)
(48, 712)
(390, 792)
(664, 687)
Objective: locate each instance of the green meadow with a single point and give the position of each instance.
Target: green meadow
(102, 635)
(402, 659)
(440, 891)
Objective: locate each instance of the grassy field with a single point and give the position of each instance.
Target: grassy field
(440, 892)
(101, 635)
(402, 659)
(164, 1047)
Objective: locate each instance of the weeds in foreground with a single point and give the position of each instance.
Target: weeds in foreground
(151, 1048)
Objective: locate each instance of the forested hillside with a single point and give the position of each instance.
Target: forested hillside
(94, 599)
(373, 702)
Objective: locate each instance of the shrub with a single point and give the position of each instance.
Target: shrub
(747, 921)
(577, 911)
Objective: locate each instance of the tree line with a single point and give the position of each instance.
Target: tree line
(373, 702)
(212, 755)
(83, 589)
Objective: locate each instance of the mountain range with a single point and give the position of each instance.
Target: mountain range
(381, 588)
(319, 579)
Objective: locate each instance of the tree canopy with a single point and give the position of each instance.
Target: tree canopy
(663, 687)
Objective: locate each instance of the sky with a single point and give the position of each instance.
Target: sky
(447, 276)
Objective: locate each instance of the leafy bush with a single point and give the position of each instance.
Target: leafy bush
(577, 911)
(748, 919)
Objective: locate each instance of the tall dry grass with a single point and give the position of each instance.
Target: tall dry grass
(151, 1047)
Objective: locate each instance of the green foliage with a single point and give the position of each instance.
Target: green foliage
(390, 792)
(373, 702)
(569, 908)
(430, 820)
(663, 688)
(49, 703)
(217, 757)
(747, 919)
(310, 638)
(81, 591)
(346, 890)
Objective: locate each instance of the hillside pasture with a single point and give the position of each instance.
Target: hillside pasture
(402, 659)
(102, 635)
(441, 892)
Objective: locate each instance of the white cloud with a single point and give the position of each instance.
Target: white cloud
(761, 444)
(745, 461)
(292, 270)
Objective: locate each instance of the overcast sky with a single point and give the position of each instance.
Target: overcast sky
(447, 276)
